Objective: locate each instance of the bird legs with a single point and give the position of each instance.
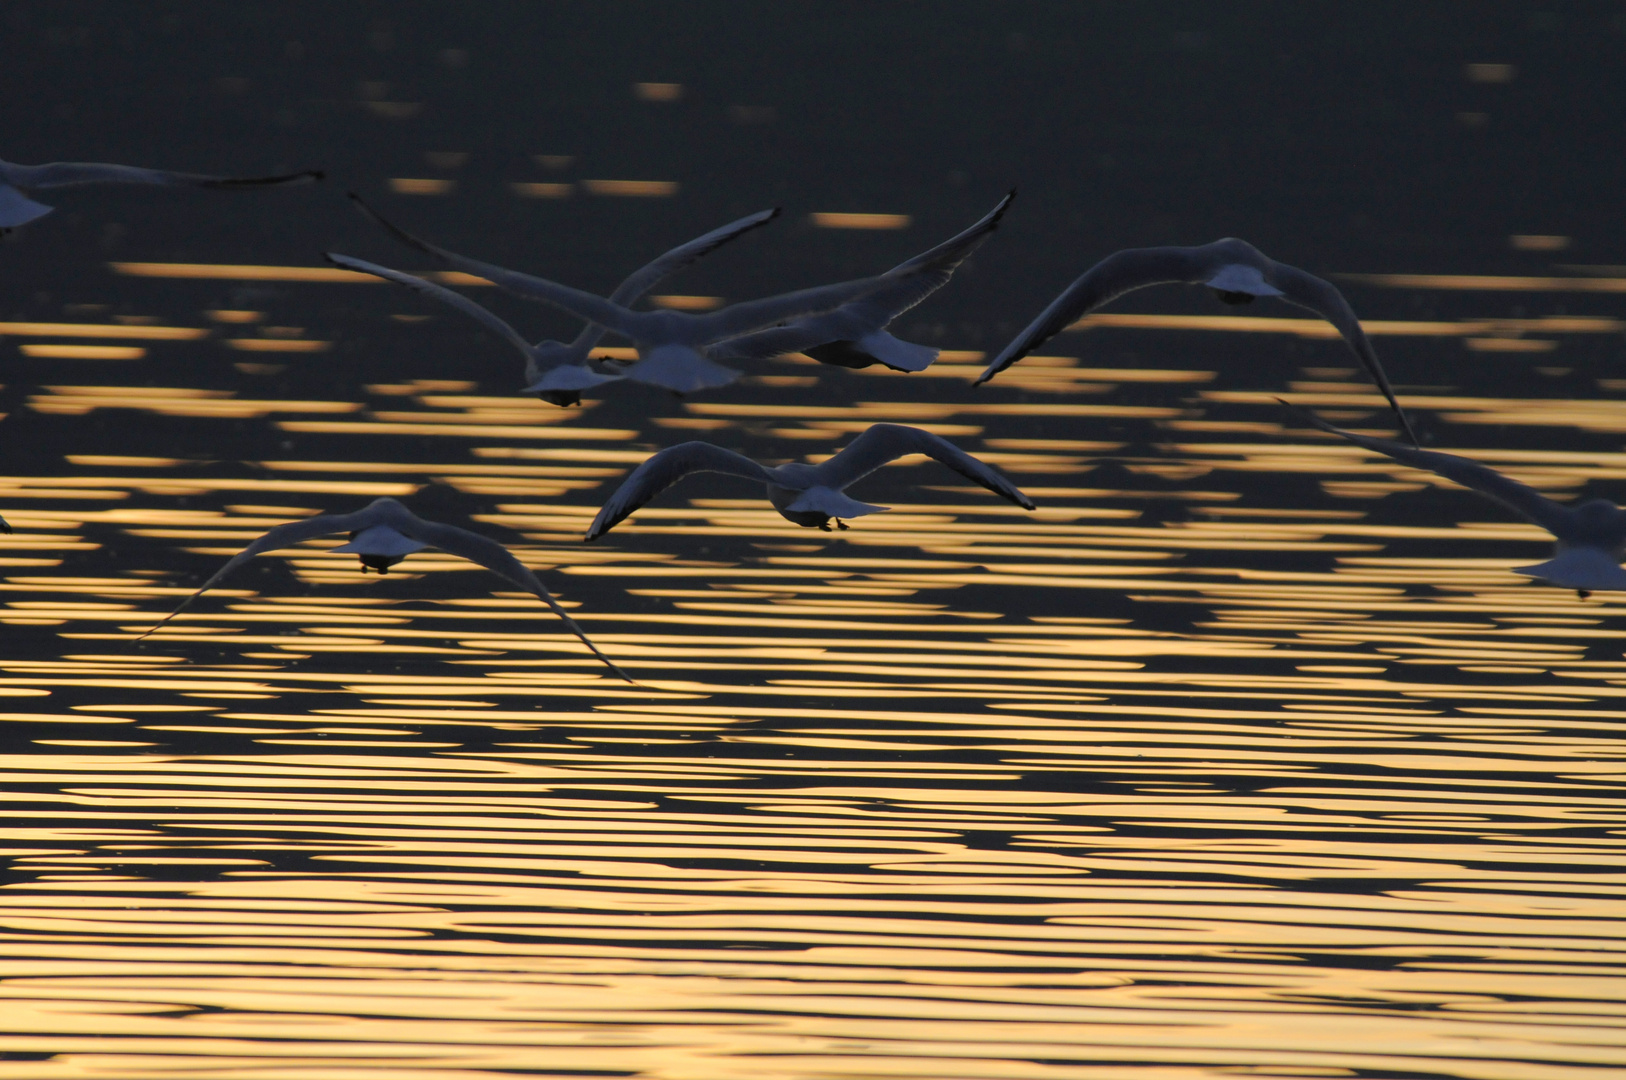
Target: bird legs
(825, 525)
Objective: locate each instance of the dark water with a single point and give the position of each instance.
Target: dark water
(1245, 754)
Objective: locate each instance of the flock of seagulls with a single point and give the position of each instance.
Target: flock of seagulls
(845, 325)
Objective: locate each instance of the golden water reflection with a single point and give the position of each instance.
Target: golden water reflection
(1243, 754)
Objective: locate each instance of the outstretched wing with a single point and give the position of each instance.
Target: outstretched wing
(911, 283)
(72, 173)
(842, 324)
(1322, 297)
(646, 277)
(884, 443)
(1118, 273)
(500, 561)
(1522, 499)
(739, 319)
(583, 305)
(665, 469)
(295, 532)
(437, 292)
(947, 256)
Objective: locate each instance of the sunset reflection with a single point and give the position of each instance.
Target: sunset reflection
(1246, 753)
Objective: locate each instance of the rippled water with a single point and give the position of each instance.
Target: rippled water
(1244, 754)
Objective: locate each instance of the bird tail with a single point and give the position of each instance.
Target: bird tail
(1585, 568)
(897, 354)
(18, 209)
(835, 503)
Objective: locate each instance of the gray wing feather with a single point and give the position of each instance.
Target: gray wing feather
(912, 282)
(1522, 499)
(1322, 297)
(665, 469)
(645, 278)
(500, 561)
(841, 324)
(1118, 273)
(584, 305)
(958, 246)
(437, 292)
(739, 319)
(885, 443)
(72, 173)
(295, 532)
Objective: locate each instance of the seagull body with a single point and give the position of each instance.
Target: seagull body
(854, 335)
(806, 495)
(671, 344)
(558, 371)
(1237, 271)
(18, 209)
(383, 533)
(1591, 535)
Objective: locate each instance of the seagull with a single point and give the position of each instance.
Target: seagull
(671, 344)
(807, 495)
(1236, 271)
(18, 209)
(556, 371)
(383, 533)
(854, 335)
(1591, 535)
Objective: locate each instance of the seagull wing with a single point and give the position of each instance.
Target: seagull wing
(295, 532)
(956, 247)
(665, 469)
(500, 561)
(1522, 499)
(645, 278)
(911, 282)
(437, 292)
(739, 319)
(1323, 298)
(594, 309)
(1121, 272)
(842, 324)
(885, 443)
(73, 173)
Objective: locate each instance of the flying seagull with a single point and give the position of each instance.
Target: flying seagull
(383, 533)
(854, 335)
(1591, 535)
(807, 495)
(556, 371)
(671, 344)
(1237, 271)
(18, 209)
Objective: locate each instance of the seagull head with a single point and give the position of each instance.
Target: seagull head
(380, 547)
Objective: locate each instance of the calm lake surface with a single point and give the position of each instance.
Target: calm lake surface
(1245, 754)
